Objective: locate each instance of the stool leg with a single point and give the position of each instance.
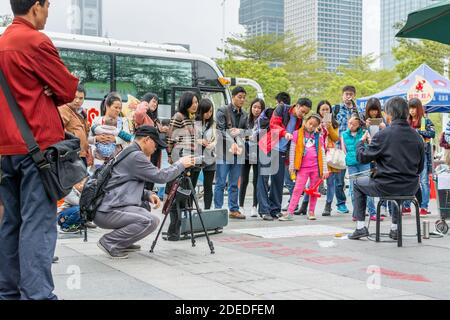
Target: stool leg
(419, 230)
(399, 230)
(378, 220)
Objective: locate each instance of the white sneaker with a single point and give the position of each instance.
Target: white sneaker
(242, 211)
(254, 212)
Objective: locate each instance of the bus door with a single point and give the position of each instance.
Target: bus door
(216, 95)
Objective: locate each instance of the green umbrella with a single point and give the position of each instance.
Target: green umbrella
(432, 23)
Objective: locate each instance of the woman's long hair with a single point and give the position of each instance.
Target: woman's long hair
(251, 118)
(149, 97)
(205, 106)
(186, 102)
(416, 104)
(373, 104)
(334, 123)
(108, 101)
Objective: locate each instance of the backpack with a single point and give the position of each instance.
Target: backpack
(95, 188)
(69, 219)
(263, 122)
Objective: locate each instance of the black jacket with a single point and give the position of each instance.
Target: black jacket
(399, 154)
(226, 118)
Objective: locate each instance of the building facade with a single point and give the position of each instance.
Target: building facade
(86, 17)
(392, 13)
(260, 17)
(334, 25)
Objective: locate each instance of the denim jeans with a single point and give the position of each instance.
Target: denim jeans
(288, 182)
(339, 180)
(270, 198)
(27, 232)
(424, 188)
(370, 201)
(232, 171)
(277, 185)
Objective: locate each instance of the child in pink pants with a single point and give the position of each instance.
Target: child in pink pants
(307, 160)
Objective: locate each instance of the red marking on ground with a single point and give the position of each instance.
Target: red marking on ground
(403, 276)
(330, 260)
(259, 245)
(238, 239)
(288, 252)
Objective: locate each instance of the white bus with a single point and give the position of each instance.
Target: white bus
(135, 68)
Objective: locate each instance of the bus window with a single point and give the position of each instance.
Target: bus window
(206, 76)
(93, 69)
(151, 75)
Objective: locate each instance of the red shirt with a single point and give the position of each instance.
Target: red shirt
(30, 61)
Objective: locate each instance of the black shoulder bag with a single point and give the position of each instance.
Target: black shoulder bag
(60, 166)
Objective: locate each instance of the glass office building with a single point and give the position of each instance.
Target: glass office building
(392, 13)
(261, 17)
(334, 25)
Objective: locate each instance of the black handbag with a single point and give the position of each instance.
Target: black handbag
(60, 166)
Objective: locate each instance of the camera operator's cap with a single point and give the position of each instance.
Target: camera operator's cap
(152, 132)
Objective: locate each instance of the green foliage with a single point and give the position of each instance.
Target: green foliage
(295, 67)
(411, 54)
(360, 74)
(272, 80)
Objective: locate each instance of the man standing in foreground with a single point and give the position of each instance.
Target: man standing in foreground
(39, 82)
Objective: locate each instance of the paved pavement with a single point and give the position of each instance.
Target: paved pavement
(255, 268)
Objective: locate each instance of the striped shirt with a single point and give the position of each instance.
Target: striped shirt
(181, 137)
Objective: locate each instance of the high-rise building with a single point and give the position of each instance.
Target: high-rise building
(260, 17)
(86, 17)
(334, 25)
(392, 13)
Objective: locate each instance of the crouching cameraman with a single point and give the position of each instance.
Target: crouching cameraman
(123, 206)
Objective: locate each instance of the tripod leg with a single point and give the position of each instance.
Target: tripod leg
(172, 201)
(194, 198)
(159, 232)
(85, 233)
(189, 210)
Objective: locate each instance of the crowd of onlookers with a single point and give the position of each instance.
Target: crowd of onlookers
(294, 146)
(286, 147)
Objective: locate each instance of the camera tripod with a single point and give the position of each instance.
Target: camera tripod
(190, 198)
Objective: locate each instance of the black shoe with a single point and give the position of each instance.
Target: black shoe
(359, 233)
(55, 259)
(303, 209)
(268, 217)
(393, 235)
(327, 210)
(173, 238)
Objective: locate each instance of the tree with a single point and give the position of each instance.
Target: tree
(5, 20)
(360, 74)
(305, 74)
(272, 80)
(412, 53)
